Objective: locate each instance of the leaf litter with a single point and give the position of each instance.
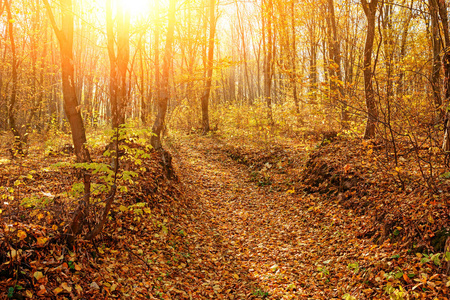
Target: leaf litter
(241, 221)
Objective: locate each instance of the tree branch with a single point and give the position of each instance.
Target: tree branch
(52, 20)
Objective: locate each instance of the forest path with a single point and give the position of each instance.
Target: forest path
(275, 245)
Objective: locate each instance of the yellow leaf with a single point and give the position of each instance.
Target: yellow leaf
(65, 286)
(369, 152)
(21, 234)
(100, 250)
(40, 216)
(123, 208)
(38, 275)
(236, 276)
(78, 288)
(55, 227)
(57, 290)
(77, 267)
(113, 287)
(41, 241)
(29, 294)
(1, 211)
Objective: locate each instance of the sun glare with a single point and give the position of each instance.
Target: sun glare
(136, 7)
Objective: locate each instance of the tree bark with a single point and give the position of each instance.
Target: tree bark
(446, 69)
(210, 65)
(71, 107)
(118, 61)
(164, 93)
(336, 89)
(370, 10)
(268, 55)
(400, 82)
(294, 61)
(18, 143)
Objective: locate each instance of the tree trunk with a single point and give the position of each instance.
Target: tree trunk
(401, 76)
(157, 71)
(294, 61)
(370, 10)
(144, 105)
(163, 95)
(118, 61)
(71, 107)
(18, 142)
(268, 56)
(336, 89)
(446, 69)
(210, 64)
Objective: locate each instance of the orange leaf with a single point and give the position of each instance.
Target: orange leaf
(57, 290)
(21, 234)
(41, 241)
(65, 286)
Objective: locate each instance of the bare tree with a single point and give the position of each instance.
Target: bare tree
(71, 106)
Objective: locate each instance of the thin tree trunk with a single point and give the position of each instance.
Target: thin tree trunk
(337, 90)
(71, 107)
(446, 69)
(144, 105)
(401, 76)
(18, 147)
(370, 10)
(244, 56)
(294, 61)
(164, 93)
(118, 61)
(157, 71)
(210, 64)
(268, 58)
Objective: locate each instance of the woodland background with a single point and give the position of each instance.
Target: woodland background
(336, 109)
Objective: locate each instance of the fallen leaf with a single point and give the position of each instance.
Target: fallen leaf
(78, 288)
(38, 275)
(21, 234)
(65, 286)
(41, 241)
(94, 285)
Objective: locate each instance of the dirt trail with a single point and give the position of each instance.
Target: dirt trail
(284, 246)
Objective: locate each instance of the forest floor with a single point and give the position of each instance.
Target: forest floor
(273, 210)
(241, 219)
